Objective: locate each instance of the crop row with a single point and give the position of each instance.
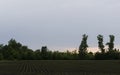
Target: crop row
(54, 68)
(27, 67)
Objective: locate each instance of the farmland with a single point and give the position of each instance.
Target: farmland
(60, 67)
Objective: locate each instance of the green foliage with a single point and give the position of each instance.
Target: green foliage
(110, 55)
(38, 55)
(100, 43)
(111, 43)
(16, 51)
(83, 47)
(113, 55)
(1, 56)
(44, 52)
(100, 56)
(90, 56)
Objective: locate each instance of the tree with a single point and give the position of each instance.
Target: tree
(83, 47)
(16, 51)
(111, 43)
(1, 53)
(1, 56)
(26, 53)
(100, 43)
(38, 54)
(44, 52)
(14, 48)
(14, 44)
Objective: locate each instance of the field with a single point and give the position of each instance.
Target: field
(60, 67)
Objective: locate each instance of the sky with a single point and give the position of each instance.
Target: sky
(59, 24)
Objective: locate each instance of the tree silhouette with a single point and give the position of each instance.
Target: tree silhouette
(111, 43)
(83, 47)
(100, 43)
(16, 51)
(44, 51)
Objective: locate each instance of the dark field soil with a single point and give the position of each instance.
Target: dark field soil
(60, 67)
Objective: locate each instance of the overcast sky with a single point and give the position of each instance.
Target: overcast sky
(59, 24)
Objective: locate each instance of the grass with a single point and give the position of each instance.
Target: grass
(60, 67)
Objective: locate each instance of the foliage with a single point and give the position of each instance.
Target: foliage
(100, 43)
(83, 47)
(111, 43)
(16, 51)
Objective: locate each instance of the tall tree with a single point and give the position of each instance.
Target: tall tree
(100, 43)
(111, 43)
(44, 52)
(83, 47)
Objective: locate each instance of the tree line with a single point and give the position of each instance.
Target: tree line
(16, 51)
(105, 54)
